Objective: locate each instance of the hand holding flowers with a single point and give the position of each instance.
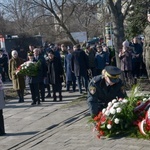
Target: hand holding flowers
(28, 68)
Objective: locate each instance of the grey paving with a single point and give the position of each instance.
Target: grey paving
(57, 125)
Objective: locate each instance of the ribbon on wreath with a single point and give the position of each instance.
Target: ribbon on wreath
(145, 122)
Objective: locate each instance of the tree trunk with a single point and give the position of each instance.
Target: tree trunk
(146, 52)
(118, 29)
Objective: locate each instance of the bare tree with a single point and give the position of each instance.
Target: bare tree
(20, 15)
(119, 10)
(57, 9)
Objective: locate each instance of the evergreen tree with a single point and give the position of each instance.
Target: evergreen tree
(137, 18)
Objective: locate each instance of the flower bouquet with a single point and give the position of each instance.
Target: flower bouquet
(28, 68)
(130, 117)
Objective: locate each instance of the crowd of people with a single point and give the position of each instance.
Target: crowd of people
(89, 67)
(74, 66)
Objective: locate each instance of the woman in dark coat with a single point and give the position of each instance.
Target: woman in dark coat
(18, 80)
(55, 74)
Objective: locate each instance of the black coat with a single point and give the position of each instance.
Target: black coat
(79, 63)
(42, 71)
(103, 94)
(55, 71)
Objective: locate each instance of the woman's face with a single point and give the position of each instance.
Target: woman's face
(15, 55)
(50, 56)
(30, 57)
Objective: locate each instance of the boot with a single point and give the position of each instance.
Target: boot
(55, 99)
(60, 97)
(2, 128)
(22, 95)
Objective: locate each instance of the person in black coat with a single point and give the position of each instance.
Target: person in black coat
(70, 77)
(55, 74)
(104, 88)
(42, 72)
(2, 105)
(80, 66)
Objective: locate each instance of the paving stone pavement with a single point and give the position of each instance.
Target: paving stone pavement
(57, 125)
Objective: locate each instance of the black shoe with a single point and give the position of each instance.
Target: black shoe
(55, 99)
(39, 103)
(60, 98)
(1, 134)
(48, 96)
(33, 103)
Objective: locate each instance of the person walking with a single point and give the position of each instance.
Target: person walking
(18, 80)
(2, 105)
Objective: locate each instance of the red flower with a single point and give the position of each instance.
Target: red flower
(138, 103)
(110, 122)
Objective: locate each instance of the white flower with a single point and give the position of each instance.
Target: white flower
(103, 111)
(109, 104)
(109, 126)
(114, 100)
(116, 104)
(124, 100)
(107, 113)
(116, 121)
(112, 111)
(25, 67)
(118, 110)
(28, 63)
(144, 99)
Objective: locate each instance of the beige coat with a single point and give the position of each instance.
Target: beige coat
(18, 81)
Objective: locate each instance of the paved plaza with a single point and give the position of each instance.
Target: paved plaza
(57, 126)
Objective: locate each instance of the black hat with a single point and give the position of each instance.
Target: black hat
(30, 54)
(113, 73)
(51, 52)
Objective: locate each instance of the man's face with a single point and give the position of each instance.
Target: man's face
(108, 81)
(99, 49)
(36, 52)
(135, 40)
(63, 48)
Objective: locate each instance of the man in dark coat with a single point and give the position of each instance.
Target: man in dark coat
(136, 58)
(42, 72)
(3, 64)
(80, 66)
(104, 88)
(70, 77)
